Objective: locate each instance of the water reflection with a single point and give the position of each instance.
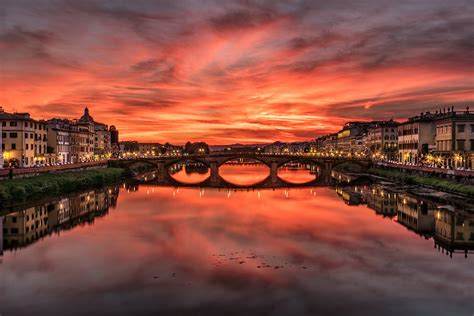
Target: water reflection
(29, 225)
(299, 173)
(452, 229)
(188, 251)
(189, 172)
(244, 172)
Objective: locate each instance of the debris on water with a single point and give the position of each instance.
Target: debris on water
(155, 277)
(305, 268)
(241, 262)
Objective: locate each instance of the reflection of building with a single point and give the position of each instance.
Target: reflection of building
(349, 197)
(26, 226)
(415, 214)
(1, 235)
(383, 202)
(1, 148)
(454, 230)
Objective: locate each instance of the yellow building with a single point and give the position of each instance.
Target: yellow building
(24, 140)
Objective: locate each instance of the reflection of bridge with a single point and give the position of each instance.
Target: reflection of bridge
(214, 161)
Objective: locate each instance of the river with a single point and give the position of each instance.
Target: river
(157, 250)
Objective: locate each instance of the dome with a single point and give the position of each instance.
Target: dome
(86, 118)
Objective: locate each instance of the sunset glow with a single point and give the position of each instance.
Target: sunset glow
(234, 71)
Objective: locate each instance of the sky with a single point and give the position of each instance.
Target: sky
(235, 71)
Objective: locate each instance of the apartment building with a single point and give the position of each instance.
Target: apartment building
(102, 141)
(416, 138)
(455, 139)
(24, 140)
(382, 140)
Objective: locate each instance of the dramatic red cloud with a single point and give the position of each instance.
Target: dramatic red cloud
(247, 72)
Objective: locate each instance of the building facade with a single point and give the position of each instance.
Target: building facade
(454, 140)
(416, 138)
(24, 140)
(382, 140)
(102, 141)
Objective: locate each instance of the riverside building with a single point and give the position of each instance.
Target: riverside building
(24, 140)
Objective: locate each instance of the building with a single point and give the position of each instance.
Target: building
(129, 147)
(416, 138)
(1, 148)
(276, 148)
(87, 136)
(24, 140)
(68, 141)
(327, 143)
(150, 149)
(382, 140)
(102, 141)
(114, 135)
(351, 139)
(454, 140)
(61, 140)
(114, 140)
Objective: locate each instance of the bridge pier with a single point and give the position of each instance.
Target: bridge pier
(274, 172)
(162, 172)
(214, 172)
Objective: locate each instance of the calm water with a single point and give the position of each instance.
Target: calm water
(191, 251)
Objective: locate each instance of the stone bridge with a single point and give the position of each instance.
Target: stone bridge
(214, 161)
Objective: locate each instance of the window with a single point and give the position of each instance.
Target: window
(14, 231)
(26, 135)
(4, 135)
(13, 146)
(4, 123)
(3, 146)
(26, 146)
(13, 219)
(13, 135)
(13, 123)
(472, 144)
(460, 128)
(460, 144)
(472, 128)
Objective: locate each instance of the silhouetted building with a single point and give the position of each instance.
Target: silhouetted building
(114, 135)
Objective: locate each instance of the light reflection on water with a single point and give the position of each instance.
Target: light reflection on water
(186, 251)
(244, 174)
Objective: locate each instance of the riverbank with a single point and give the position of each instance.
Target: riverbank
(425, 181)
(16, 190)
